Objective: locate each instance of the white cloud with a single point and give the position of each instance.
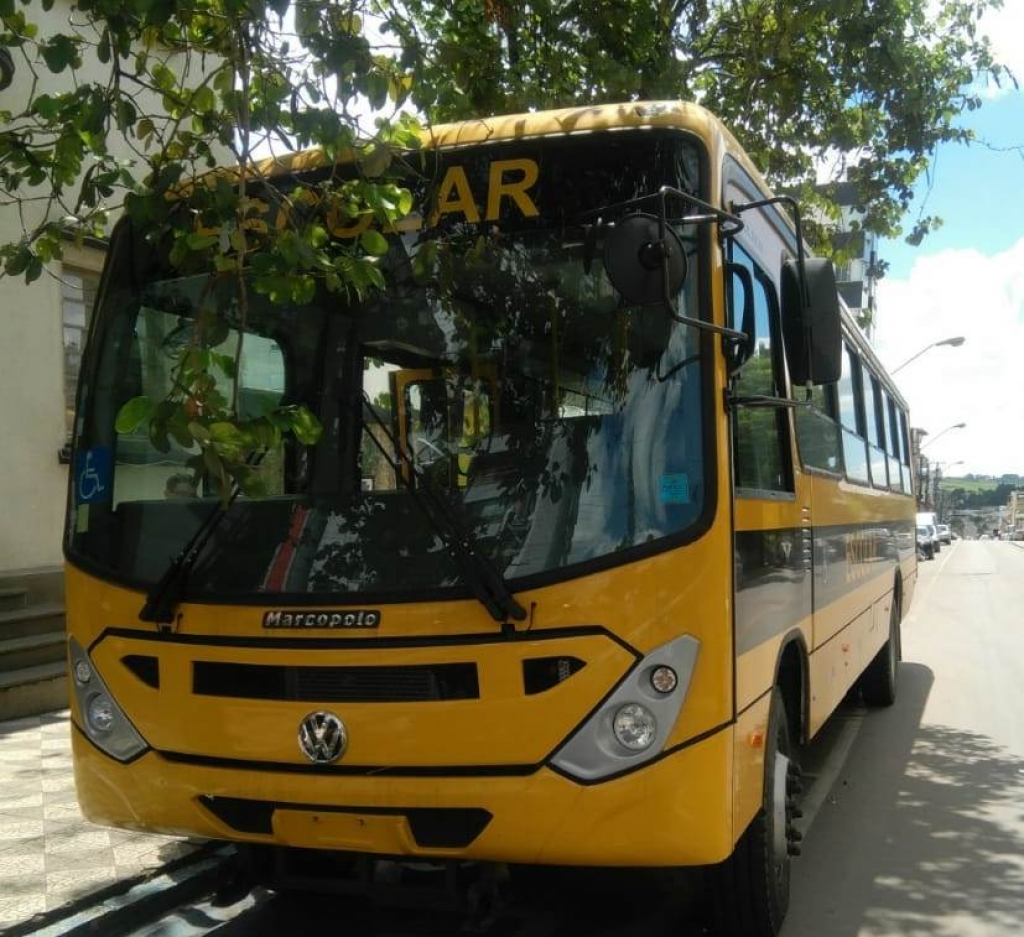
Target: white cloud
(981, 383)
(1004, 29)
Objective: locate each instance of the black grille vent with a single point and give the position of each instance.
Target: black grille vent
(146, 668)
(431, 827)
(413, 684)
(542, 673)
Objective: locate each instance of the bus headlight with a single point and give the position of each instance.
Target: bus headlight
(635, 727)
(632, 725)
(83, 672)
(99, 713)
(103, 721)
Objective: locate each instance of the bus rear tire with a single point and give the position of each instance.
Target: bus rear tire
(749, 892)
(879, 682)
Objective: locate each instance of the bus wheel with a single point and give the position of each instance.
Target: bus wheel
(750, 890)
(878, 682)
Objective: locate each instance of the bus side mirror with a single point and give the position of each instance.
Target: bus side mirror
(644, 259)
(811, 322)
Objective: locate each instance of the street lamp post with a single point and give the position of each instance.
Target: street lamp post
(938, 471)
(956, 341)
(942, 433)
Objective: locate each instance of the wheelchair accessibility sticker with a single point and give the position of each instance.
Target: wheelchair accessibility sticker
(92, 475)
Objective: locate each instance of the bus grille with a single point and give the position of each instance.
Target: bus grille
(409, 684)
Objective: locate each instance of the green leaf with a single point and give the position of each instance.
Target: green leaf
(133, 414)
(377, 87)
(204, 100)
(200, 242)
(60, 53)
(305, 426)
(228, 433)
(199, 433)
(373, 242)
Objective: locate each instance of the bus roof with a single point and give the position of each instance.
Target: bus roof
(563, 122)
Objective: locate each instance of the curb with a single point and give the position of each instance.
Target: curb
(122, 907)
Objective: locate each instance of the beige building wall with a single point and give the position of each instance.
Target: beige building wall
(33, 420)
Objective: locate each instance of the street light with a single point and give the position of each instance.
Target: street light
(940, 498)
(942, 433)
(955, 342)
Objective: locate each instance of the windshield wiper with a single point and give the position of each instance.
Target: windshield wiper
(486, 583)
(163, 598)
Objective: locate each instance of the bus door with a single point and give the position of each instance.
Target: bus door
(772, 574)
(442, 418)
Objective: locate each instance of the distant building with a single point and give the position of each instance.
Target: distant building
(1015, 511)
(858, 277)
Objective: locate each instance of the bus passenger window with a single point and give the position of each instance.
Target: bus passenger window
(817, 432)
(873, 429)
(892, 442)
(854, 446)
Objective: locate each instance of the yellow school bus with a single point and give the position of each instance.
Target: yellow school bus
(611, 508)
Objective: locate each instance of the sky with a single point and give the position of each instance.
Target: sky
(967, 279)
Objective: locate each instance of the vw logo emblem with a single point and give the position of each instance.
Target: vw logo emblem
(322, 737)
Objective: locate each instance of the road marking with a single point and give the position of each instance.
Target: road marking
(925, 588)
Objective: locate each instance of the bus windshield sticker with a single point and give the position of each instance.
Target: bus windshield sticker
(674, 489)
(92, 475)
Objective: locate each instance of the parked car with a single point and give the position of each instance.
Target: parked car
(925, 547)
(930, 520)
(945, 534)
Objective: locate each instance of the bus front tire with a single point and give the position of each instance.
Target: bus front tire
(750, 891)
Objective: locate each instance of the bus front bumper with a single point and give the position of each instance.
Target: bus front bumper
(674, 811)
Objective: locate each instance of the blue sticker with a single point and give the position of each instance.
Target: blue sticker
(93, 475)
(674, 489)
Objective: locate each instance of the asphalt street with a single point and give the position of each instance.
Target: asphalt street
(923, 833)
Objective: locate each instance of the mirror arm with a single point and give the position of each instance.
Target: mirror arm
(730, 223)
(805, 293)
(794, 207)
(760, 401)
(732, 335)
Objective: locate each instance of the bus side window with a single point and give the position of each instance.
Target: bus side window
(905, 470)
(855, 456)
(817, 430)
(874, 432)
(892, 442)
(761, 451)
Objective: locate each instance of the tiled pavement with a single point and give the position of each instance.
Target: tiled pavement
(50, 856)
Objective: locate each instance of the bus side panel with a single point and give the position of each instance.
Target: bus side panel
(909, 584)
(834, 668)
(748, 763)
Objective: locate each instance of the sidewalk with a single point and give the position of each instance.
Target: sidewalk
(50, 856)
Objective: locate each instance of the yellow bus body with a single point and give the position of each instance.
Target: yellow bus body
(689, 806)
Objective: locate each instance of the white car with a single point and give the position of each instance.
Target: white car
(945, 534)
(929, 519)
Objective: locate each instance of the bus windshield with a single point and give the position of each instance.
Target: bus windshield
(500, 372)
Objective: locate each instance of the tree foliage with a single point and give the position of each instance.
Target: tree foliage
(158, 92)
(866, 87)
